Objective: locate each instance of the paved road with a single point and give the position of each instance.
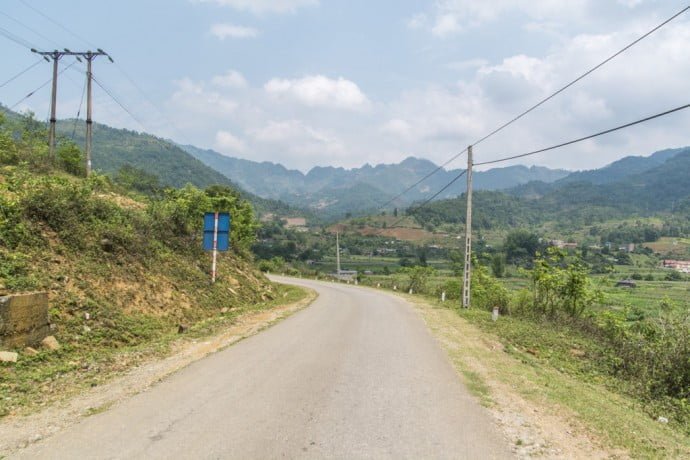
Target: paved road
(355, 375)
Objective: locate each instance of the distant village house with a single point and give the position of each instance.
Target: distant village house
(682, 266)
(296, 223)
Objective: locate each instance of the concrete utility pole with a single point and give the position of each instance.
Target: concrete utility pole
(468, 235)
(55, 56)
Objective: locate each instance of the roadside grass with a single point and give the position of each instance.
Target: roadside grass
(550, 369)
(93, 358)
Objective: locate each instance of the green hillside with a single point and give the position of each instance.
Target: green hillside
(123, 271)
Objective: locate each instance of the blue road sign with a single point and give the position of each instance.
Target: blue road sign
(223, 236)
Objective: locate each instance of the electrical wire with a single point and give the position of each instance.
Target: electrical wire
(148, 99)
(590, 71)
(438, 168)
(543, 101)
(16, 38)
(591, 136)
(81, 102)
(21, 73)
(34, 31)
(74, 34)
(37, 89)
(427, 201)
(117, 101)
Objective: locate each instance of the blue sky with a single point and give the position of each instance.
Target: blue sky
(343, 83)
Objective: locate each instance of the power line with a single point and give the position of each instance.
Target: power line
(36, 10)
(422, 179)
(117, 101)
(15, 38)
(34, 31)
(445, 187)
(546, 99)
(81, 102)
(148, 99)
(591, 136)
(37, 89)
(21, 73)
(590, 71)
(427, 201)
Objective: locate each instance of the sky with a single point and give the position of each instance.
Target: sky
(348, 82)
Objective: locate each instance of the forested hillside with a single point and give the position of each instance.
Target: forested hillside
(664, 188)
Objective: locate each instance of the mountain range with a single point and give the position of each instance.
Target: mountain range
(338, 190)
(655, 182)
(631, 187)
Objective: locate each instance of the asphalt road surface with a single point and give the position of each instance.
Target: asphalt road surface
(355, 375)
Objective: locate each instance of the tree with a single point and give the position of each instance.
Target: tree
(561, 289)
(498, 265)
(521, 246)
(418, 277)
(71, 158)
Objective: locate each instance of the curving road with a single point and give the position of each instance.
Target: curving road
(355, 375)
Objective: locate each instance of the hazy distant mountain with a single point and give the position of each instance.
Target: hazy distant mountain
(334, 190)
(656, 185)
(625, 176)
(622, 168)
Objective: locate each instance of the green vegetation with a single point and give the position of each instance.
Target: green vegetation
(123, 270)
(565, 318)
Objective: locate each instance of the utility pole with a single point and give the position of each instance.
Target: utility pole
(90, 56)
(337, 253)
(55, 56)
(468, 235)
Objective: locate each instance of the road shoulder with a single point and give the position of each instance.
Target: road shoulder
(536, 425)
(17, 432)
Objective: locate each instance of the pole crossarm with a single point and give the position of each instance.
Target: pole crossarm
(55, 56)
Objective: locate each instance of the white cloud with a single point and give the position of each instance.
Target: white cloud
(452, 16)
(320, 91)
(230, 79)
(435, 118)
(446, 24)
(223, 31)
(417, 21)
(299, 138)
(193, 97)
(263, 6)
(397, 127)
(226, 142)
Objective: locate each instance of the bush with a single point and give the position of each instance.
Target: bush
(418, 277)
(71, 158)
(487, 292)
(557, 289)
(673, 276)
(452, 288)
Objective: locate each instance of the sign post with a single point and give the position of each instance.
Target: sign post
(216, 236)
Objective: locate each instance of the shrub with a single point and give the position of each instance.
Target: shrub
(673, 276)
(452, 288)
(487, 292)
(557, 289)
(418, 277)
(71, 158)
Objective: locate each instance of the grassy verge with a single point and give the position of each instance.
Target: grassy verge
(39, 380)
(549, 369)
